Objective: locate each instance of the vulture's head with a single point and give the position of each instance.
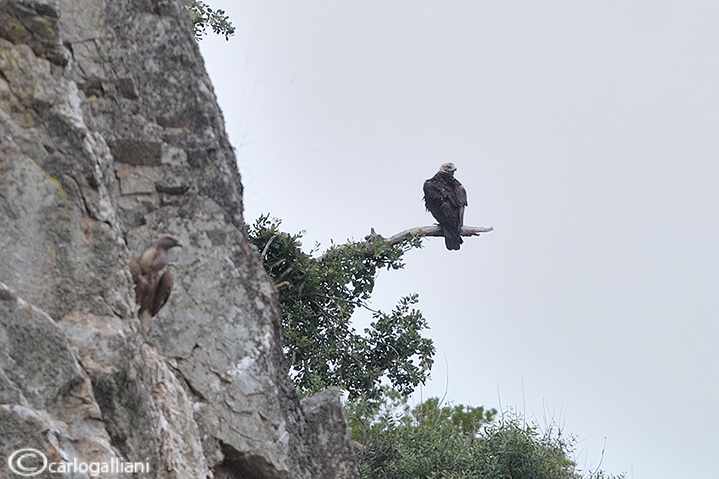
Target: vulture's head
(168, 241)
(448, 168)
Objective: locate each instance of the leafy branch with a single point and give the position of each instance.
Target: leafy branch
(318, 297)
(203, 16)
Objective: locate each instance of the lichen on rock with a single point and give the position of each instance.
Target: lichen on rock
(110, 135)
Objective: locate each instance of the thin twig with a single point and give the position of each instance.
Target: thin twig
(601, 459)
(269, 242)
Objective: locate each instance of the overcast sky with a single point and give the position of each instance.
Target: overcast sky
(585, 133)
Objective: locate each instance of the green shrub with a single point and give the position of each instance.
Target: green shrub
(431, 441)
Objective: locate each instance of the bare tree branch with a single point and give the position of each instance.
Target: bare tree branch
(434, 230)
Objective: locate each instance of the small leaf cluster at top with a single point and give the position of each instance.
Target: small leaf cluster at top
(204, 17)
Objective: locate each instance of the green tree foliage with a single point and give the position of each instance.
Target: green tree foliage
(204, 17)
(318, 296)
(432, 441)
(382, 366)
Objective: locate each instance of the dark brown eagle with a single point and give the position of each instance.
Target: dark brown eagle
(445, 198)
(152, 289)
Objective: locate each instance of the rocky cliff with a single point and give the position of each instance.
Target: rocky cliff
(110, 135)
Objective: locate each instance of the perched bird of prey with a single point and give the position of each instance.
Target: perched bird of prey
(445, 198)
(152, 289)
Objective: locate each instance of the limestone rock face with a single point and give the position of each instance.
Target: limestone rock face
(110, 135)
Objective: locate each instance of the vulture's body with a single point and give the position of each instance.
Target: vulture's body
(152, 288)
(445, 198)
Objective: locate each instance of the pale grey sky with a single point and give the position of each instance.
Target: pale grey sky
(584, 132)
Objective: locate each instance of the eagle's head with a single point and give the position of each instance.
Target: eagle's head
(448, 168)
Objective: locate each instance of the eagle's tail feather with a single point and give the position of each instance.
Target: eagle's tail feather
(452, 240)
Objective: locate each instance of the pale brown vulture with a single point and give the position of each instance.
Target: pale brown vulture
(152, 289)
